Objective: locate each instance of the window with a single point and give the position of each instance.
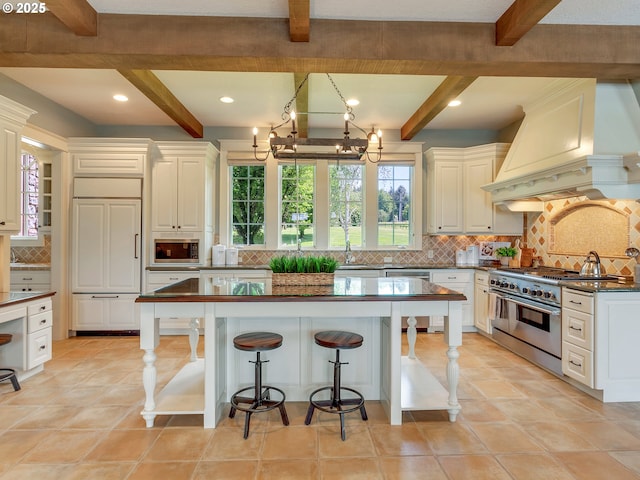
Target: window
(297, 187)
(247, 205)
(345, 205)
(29, 199)
(394, 205)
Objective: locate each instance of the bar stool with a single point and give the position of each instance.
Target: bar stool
(8, 373)
(261, 400)
(340, 341)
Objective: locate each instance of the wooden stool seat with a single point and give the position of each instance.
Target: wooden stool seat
(257, 341)
(260, 399)
(8, 373)
(338, 339)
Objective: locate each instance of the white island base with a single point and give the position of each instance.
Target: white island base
(377, 369)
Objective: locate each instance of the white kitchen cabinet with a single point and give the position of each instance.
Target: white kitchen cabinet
(460, 281)
(39, 332)
(104, 312)
(13, 117)
(30, 280)
(456, 202)
(109, 157)
(577, 336)
(481, 318)
(106, 245)
(182, 188)
(159, 279)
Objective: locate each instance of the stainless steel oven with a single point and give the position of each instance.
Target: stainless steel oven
(526, 317)
(185, 250)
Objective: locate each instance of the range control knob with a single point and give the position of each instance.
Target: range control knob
(538, 293)
(525, 290)
(504, 284)
(512, 286)
(549, 295)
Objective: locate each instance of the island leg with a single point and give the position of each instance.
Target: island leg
(149, 378)
(194, 336)
(412, 335)
(453, 338)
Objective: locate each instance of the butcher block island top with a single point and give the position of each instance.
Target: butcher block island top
(343, 289)
(372, 307)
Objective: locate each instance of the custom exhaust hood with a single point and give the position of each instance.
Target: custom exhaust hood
(581, 137)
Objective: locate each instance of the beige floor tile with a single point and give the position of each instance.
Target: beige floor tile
(558, 437)
(168, 470)
(228, 470)
(393, 441)
(12, 414)
(40, 472)
(350, 469)
(480, 411)
(505, 438)
(606, 435)
(534, 467)
(566, 408)
(227, 443)
(526, 410)
(293, 442)
(186, 444)
(48, 417)
(123, 445)
(473, 467)
(97, 418)
(411, 468)
(494, 389)
(63, 446)
(288, 470)
(15, 444)
(452, 439)
(594, 466)
(358, 443)
(101, 471)
(629, 459)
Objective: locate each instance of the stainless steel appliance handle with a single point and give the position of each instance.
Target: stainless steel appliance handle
(135, 245)
(534, 305)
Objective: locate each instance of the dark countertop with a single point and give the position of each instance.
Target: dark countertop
(357, 266)
(261, 290)
(609, 286)
(13, 298)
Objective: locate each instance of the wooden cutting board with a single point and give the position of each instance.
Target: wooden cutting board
(526, 258)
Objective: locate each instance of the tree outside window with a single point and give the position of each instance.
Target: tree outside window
(247, 205)
(297, 192)
(345, 205)
(394, 205)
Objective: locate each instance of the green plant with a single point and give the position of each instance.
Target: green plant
(311, 264)
(506, 252)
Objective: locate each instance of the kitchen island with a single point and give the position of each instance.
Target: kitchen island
(370, 306)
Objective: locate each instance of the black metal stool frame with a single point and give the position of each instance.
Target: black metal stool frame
(336, 404)
(10, 374)
(261, 400)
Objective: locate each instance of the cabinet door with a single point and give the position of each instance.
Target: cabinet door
(481, 303)
(447, 204)
(106, 245)
(9, 180)
(104, 312)
(164, 197)
(478, 207)
(190, 205)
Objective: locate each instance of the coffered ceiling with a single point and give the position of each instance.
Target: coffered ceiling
(402, 60)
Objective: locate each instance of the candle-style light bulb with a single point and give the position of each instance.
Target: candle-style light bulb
(346, 123)
(293, 121)
(380, 139)
(255, 133)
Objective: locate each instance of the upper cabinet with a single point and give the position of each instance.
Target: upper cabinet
(456, 203)
(109, 157)
(182, 187)
(13, 117)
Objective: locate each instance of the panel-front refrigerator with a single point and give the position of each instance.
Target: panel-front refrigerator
(106, 258)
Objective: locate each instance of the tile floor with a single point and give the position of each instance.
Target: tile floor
(80, 419)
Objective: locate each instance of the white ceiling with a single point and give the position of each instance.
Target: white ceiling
(386, 101)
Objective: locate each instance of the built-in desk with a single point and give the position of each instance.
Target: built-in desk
(370, 306)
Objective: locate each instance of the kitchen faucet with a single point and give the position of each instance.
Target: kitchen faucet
(13, 256)
(348, 256)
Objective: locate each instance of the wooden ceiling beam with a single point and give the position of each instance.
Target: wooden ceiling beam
(339, 46)
(448, 90)
(158, 93)
(299, 20)
(302, 104)
(521, 17)
(77, 15)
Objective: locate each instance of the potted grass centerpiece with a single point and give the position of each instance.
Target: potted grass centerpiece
(311, 270)
(506, 254)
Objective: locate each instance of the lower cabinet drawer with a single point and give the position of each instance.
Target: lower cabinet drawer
(38, 347)
(577, 363)
(39, 321)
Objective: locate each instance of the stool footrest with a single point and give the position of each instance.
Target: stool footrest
(10, 374)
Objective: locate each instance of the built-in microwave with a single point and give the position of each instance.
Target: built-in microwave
(176, 250)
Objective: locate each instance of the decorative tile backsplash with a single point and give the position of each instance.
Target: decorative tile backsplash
(34, 254)
(604, 231)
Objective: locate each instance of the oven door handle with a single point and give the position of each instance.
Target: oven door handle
(533, 305)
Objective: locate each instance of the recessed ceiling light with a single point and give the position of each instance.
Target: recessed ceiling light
(120, 98)
(226, 100)
(454, 103)
(352, 102)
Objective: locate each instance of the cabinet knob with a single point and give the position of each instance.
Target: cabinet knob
(43, 307)
(3, 223)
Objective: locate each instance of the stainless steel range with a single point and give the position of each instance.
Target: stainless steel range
(525, 312)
